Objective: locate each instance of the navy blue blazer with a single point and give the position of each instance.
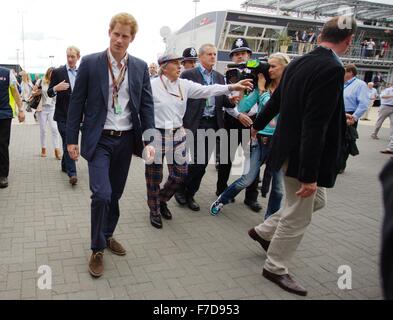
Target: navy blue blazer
(62, 98)
(89, 102)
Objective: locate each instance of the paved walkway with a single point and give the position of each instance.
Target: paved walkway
(43, 221)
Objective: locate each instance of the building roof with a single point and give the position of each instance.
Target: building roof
(363, 10)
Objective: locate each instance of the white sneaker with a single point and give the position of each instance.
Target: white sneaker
(216, 207)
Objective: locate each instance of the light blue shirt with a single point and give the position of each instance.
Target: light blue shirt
(356, 97)
(72, 76)
(372, 93)
(208, 79)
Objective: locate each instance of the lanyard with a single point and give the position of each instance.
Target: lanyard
(205, 82)
(117, 83)
(205, 78)
(180, 95)
(349, 82)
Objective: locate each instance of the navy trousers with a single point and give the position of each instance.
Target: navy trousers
(67, 164)
(108, 171)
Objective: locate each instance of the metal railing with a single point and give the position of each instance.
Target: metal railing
(354, 52)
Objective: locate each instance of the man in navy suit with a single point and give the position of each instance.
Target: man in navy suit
(61, 86)
(113, 97)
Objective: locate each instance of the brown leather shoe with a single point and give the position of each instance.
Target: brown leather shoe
(387, 151)
(96, 264)
(73, 180)
(286, 282)
(255, 236)
(57, 154)
(115, 247)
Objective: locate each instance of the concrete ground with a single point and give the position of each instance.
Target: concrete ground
(44, 221)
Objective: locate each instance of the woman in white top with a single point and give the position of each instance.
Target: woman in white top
(46, 110)
(170, 94)
(26, 86)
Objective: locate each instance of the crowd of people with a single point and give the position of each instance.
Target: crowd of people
(299, 119)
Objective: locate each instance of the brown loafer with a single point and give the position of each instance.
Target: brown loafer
(387, 151)
(255, 236)
(115, 247)
(285, 282)
(96, 264)
(73, 180)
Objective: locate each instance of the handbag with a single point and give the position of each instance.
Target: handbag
(34, 101)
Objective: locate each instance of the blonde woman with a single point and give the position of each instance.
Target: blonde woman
(45, 111)
(259, 149)
(27, 87)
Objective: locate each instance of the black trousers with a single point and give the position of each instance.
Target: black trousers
(5, 133)
(224, 169)
(346, 151)
(201, 157)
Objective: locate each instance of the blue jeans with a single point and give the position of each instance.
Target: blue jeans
(252, 166)
(276, 193)
(257, 157)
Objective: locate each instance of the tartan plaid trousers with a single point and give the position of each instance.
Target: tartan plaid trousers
(173, 147)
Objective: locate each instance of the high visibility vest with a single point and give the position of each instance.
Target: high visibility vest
(12, 102)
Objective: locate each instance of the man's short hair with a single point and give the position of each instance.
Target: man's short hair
(351, 68)
(337, 29)
(125, 19)
(203, 48)
(74, 49)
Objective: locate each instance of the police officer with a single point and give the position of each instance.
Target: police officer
(8, 92)
(234, 120)
(190, 58)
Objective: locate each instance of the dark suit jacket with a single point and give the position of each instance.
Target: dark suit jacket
(195, 107)
(311, 128)
(386, 177)
(90, 102)
(63, 98)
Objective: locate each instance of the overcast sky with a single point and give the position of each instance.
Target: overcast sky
(51, 25)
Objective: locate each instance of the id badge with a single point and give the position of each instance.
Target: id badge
(118, 109)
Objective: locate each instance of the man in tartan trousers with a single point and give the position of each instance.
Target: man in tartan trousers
(170, 95)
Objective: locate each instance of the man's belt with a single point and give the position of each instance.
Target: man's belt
(113, 133)
(173, 130)
(209, 118)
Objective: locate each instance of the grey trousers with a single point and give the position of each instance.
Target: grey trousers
(383, 113)
(285, 228)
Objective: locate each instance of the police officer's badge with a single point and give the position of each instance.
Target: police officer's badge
(239, 43)
(193, 52)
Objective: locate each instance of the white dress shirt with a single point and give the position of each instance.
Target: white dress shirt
(387, 101)
(122, 121)
(169, 110)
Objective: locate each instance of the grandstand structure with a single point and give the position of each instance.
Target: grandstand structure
(271, 26)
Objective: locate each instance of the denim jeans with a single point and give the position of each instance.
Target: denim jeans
(276, 193)
(253, 163)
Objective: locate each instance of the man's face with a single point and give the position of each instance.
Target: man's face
(189, 64)
(153, 69)
(209, 57)
(348, 75)
(172, 70)
(241, 56)
(72, 58)
(120, 38)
